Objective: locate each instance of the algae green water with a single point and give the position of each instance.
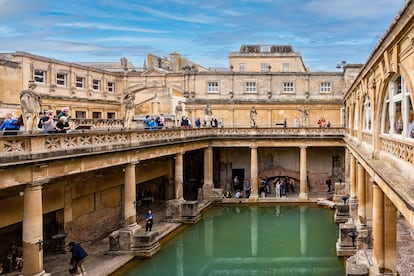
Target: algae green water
(251, 240)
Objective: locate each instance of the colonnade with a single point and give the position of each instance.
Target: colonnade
(376, 218)
(33, 224)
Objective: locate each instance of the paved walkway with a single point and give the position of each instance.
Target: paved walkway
(100, 264)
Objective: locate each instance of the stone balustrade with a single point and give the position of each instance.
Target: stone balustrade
(24, 147)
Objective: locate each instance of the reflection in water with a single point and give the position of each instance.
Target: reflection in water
(278, 240)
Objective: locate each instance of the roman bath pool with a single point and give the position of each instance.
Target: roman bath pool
(250, 240)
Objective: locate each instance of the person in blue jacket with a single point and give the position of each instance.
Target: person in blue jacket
(149, 218)
(78, 256)
(9, 123)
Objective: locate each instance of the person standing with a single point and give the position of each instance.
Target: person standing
(9, 123)
(48, 123)
(149, 218)
(78, 256)
(329, 184)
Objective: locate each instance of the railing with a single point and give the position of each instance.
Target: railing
(402, 149)
(18, 148)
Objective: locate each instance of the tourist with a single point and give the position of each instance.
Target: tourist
(153, 124)
(184, 122)
(227, 195)
(329, 184)
(9, 123)
(297, 122)
(197, 123)
(410, 132)
(64, 112)
(147, 122)
(48, 123)
(78, 257)
(14, 258)
(277, 188)
(62, 126)
(247, 188)
(161, 121)
(238, 194)
(149, 218)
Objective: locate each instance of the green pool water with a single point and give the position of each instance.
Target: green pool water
(251, 240)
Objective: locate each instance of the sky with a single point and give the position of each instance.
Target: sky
(325, 32)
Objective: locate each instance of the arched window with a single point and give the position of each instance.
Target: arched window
(397, 109)
(367, 115)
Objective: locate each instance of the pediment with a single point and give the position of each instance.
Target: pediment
(154, 72)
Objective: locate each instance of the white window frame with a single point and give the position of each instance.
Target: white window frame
(242, 67)
(251, 87)
(264, 67)
(288, 87)
(111, 86)
(325, 87)
(96, 85)
(285, 67)
(80, 82)
(61, 79)
(39, 76)
(213, 87)
(396, 100)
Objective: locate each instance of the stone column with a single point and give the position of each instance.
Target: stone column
(68, 211)
(208, 172)
(303, 174)
(33, 230)
(352, 178)
(361, 195)
(390, 239)
(378, 229)
(254, 174)
(130, 213)
(179, 178)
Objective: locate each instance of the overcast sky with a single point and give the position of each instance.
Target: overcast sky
(325, 32)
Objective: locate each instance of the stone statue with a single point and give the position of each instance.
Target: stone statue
(253, 114)
(178, 113)
(208, 110)
(305, 114)
(129, 109)
(31, 105)
(124, 63)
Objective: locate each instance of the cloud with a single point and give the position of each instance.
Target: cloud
(100, 26)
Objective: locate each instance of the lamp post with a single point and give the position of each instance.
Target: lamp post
(341, 65)
(345, 199)
(353, 234)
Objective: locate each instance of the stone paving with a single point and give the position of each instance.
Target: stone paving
(100, 264)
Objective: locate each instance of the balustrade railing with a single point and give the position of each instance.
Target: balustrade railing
(403, 149)
(34, 146)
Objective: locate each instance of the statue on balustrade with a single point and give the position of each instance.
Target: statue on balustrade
(305, 114)
(31, 104)
(129, 109)
(253, 114)
(208, 113)
(179, 113)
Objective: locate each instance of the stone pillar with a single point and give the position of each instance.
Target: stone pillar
(33, 230)
(254, 174)
(303, 174)
(352, 178)
(390, 239)
(130, 213)
(208, 172)
(68, 211)
(378, 229)
(361, 195)
(179, 178)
